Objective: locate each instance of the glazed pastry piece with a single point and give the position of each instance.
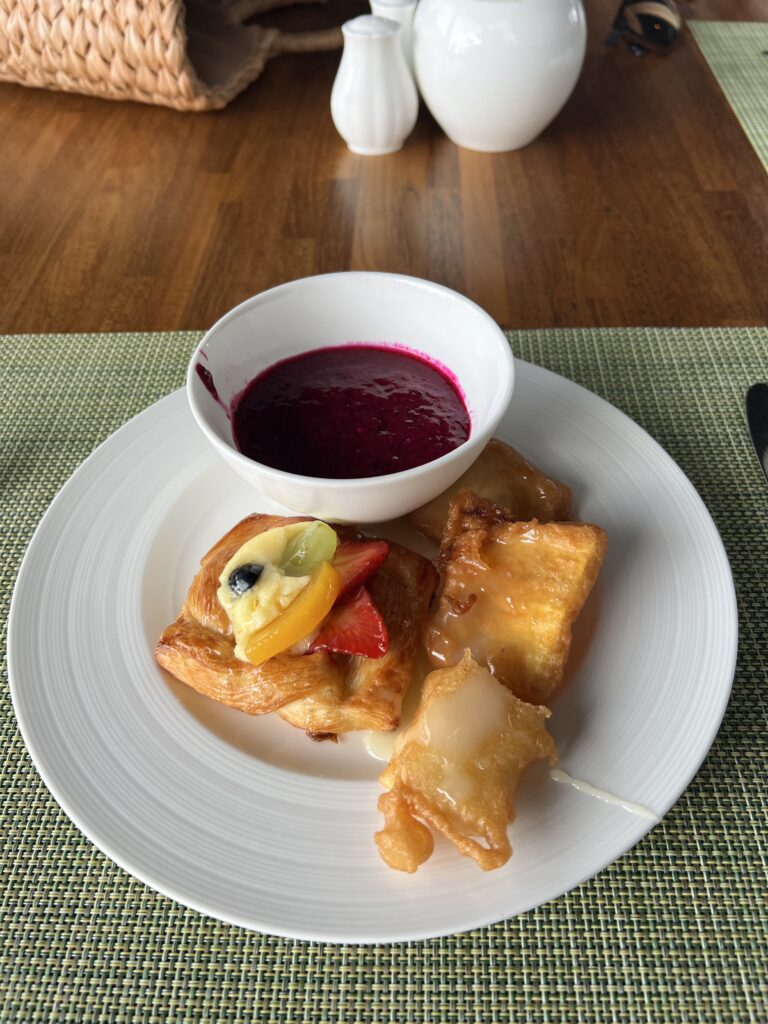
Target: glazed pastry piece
(368, 693)
(457, 766)
(511, 593)
(502, 476)
(199, 647)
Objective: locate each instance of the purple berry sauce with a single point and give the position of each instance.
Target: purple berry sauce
(347, 412)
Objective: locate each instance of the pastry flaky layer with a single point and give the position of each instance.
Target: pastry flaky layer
(368, 692)
(511, 593)
(320, 692)
(503, 476)
(456, 768)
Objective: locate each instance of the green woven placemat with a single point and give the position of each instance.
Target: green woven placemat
(675, 931)
(737, 52)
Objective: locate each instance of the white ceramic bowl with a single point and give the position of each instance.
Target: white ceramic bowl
(339, 309)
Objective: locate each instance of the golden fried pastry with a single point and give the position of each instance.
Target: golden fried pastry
(199, 647)
(457, 766)
(321, 692)
(503, 476)
(368, 693)
(511, 593)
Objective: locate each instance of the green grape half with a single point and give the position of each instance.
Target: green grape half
(306, 551)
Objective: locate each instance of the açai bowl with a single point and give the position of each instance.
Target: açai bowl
(352, 397)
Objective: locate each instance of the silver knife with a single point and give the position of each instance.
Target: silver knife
(757, 418)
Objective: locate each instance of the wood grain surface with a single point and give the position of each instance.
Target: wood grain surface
(642, 204)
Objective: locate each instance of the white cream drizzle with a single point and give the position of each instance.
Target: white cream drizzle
(457, 723)
(558, 775)
(381, 745)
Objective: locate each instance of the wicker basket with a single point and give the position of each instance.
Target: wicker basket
(193, 55)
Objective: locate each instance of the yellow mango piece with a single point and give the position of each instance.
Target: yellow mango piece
(302, 615)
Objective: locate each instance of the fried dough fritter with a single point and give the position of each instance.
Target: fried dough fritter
(511, 593)
(457, 766)
(369, 693)
(501, 475)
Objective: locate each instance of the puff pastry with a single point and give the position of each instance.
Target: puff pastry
(502, 476)
(199, 647)
(511, 593)
(457, 766)
(320, 692)
(369, 693)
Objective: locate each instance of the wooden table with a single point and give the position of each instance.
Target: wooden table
(643, 203)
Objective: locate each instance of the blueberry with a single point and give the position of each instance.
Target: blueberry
(244, 577)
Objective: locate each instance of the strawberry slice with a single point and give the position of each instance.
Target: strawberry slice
(354, 626)
(356, 560)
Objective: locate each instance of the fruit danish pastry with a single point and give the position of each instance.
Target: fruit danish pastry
(290, 614)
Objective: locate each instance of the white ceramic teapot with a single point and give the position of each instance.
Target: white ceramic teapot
(494, 73)
(374, 103)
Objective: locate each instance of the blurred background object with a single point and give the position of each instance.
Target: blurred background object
(494, 75)
(401, 11)
(646, 25)
(186, 54)
(374, 103)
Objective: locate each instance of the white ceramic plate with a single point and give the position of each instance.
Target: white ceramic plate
(247, 820)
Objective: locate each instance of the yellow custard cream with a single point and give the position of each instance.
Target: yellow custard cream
(259, 605)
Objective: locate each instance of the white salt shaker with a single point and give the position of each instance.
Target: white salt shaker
(374, 103)
(401, 11)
